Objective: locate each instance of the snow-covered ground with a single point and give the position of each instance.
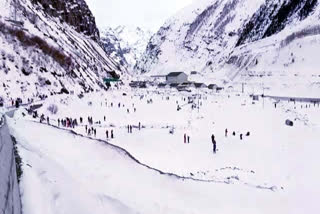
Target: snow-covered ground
(274, 170)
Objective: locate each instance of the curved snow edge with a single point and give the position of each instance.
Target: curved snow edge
(169, 174)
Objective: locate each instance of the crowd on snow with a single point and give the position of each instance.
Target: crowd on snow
(91, 131)
(70, 122)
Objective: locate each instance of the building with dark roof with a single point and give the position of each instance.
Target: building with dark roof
(176, 77)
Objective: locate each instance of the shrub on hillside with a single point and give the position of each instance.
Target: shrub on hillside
(53, 109)
(37, 42)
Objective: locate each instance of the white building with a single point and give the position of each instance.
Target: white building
(176, 77)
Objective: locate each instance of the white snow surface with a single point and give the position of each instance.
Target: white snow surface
(274, 170)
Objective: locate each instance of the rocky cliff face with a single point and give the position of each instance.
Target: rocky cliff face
(274, 16)
(73, 12)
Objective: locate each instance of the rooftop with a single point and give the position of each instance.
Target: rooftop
(174, 74)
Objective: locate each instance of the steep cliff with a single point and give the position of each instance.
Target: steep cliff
(73, 12)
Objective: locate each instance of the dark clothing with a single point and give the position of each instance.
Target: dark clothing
(214, 147)
(214, 144)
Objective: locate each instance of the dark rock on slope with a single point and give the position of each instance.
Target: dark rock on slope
(74, 12)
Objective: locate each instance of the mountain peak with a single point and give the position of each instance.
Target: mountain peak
(127, 43)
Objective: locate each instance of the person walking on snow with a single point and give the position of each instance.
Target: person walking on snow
(226, 133)
(107, 134)
(188, 139)
(185, 138)
(214, 144)
(111, 134)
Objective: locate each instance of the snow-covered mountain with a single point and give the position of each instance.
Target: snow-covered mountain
(127, 44)
(49, 47)
(238, 40)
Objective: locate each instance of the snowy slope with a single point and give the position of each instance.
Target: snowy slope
(197, 35)
(274, 170)
(286, 61)
(226, 40)
(45, 55)
(125, 43)
(78, 175)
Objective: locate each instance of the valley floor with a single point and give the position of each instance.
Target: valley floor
(274, 170)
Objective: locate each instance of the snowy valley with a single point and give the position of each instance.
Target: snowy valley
(94, 124)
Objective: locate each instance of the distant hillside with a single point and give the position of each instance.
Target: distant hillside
(230, 41)
(126, 44)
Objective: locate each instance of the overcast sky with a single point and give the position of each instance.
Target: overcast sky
(149, 14)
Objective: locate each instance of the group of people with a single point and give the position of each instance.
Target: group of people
(186, 138)
(68, 122)
(214, 143)
(91, 131)
(111, 134)
(129, 127)
(234, 134)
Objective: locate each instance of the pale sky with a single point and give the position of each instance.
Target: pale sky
(150, 14)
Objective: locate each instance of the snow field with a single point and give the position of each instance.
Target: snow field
(272, 170)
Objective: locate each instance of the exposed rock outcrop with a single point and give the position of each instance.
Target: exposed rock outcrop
(74, 12)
